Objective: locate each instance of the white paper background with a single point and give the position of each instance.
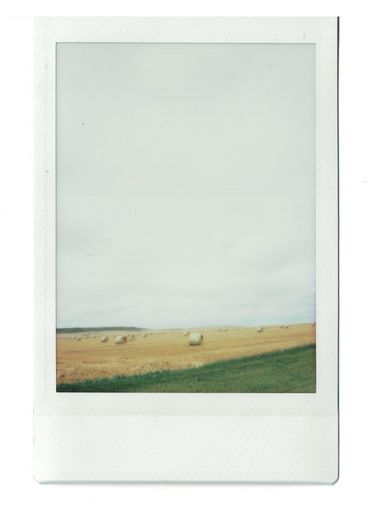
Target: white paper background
(16, 271)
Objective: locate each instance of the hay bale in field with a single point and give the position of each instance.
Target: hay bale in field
(195, 338)
(260, 329)
(104, 339)
(79, 338)
(119, 340)
(144, 335)
(186, 333)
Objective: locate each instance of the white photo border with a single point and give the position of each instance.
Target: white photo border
(187, 437)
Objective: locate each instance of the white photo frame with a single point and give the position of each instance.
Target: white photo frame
(188, 437)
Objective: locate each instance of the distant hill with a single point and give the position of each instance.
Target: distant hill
(93, 329)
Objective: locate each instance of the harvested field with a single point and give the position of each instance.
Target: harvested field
(167, 350)
(281, 371)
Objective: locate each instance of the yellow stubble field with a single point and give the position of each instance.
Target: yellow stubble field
(89, 358)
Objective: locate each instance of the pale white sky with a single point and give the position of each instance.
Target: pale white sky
(185, 184)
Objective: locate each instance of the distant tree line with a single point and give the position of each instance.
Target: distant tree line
(92, 329)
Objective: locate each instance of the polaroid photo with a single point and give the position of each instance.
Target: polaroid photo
(187, 238)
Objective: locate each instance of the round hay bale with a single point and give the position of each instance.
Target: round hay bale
(104, 339)
(119, 340)
(195, 338)
(260, 329)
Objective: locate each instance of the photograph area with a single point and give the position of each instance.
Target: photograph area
(185, 189)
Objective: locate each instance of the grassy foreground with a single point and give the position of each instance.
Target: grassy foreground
(291, 370)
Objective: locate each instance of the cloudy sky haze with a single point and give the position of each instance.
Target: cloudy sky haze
(185, 184)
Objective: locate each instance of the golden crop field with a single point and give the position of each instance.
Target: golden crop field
(89, 358)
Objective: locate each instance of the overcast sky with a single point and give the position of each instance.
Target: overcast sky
(185, 184)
